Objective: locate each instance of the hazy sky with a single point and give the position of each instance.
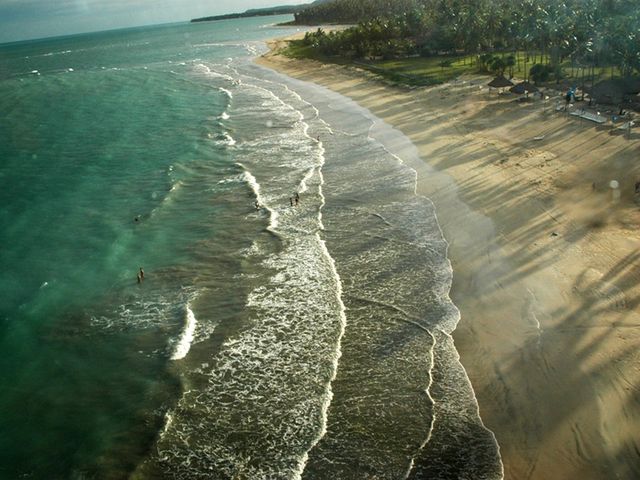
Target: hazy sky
(25, 19)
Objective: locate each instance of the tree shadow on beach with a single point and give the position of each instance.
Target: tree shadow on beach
(581, 334)
(578, 403)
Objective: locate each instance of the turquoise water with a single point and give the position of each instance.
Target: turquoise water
(267, 339)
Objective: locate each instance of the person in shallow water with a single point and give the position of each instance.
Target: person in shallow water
(291, 201)
(141, 275)
(297, 197)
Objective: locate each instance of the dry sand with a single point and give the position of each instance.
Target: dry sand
(546, 266)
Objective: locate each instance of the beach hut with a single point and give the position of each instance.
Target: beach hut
(500, 82)
(524, 87)
(616, 91)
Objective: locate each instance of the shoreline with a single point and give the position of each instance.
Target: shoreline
(545, 264)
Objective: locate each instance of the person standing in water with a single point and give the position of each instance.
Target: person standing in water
(141, 275)
(297, 197)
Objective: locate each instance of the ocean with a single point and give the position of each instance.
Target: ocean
(293, 320)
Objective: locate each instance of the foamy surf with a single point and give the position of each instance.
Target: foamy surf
(226, 91)
(328, 396)
(188, 334)
(261, 202)
(410, 242)
(222, 139)
(201, 67)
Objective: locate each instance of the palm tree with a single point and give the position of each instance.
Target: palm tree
(509, 63)
(623, 38)
(498, 66)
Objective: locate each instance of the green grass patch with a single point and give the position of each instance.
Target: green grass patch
(421, 71)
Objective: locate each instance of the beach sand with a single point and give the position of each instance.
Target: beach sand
(546, 263)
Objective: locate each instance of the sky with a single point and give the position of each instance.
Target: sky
(27, 19)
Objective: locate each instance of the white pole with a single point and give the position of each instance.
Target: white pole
(615, 191)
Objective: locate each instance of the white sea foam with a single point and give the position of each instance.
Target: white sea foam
(253, 250)
(321, 178)
(442, 292)
(223, 138)
(50, 54)
(234, 179)
(201, 67)
(229, 140)
(328, 394)
(219, 44)
(168, 421)
(307, 160)
(303, 183)
(174, 188)
(253, 183)
(154, 311)
(433, 416)
(267, 375)
(188, 334)
(251, 49)
(226, 92)
(262, 201)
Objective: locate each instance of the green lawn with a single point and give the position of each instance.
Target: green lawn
(440, 69)
(422, 70)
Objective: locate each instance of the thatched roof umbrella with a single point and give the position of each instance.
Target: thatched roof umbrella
(500, 82)
(524, 87)
(613, 91)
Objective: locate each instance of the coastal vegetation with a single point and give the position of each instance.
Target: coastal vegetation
(262, 12)
(256, 12)
(546, 40)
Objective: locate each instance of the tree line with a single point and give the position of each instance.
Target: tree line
(588, 32)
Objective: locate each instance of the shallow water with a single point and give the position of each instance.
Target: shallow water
(267, 340)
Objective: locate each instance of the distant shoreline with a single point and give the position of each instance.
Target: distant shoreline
(261, 12)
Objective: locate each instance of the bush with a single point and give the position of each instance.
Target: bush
(497, 66)
(485, 60)
(540, 72)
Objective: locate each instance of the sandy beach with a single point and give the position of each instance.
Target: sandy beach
(546, 262)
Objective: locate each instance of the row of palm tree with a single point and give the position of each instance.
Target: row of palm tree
(586, 32)
(354, 11)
